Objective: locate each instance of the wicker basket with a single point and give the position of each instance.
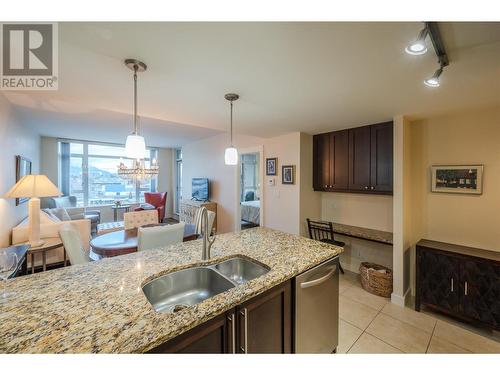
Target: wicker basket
(378, 283)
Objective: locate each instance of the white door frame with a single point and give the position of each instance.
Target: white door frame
(237, 180)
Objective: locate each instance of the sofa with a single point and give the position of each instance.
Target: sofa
(69, 202)
(49, 227)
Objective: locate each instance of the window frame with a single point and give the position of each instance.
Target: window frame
(85, 167)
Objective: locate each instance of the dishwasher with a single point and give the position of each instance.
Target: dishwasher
(317, 309)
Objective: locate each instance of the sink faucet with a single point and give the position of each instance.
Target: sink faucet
(207, 241)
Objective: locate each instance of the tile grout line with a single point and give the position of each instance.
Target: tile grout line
(364, 330)
(430, 339)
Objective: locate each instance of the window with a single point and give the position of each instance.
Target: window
(178, 180)
(89, 172)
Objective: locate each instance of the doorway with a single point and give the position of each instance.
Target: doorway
(250, 189)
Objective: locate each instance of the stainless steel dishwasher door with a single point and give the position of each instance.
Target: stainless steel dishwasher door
(317, 309)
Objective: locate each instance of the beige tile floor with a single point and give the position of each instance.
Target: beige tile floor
(371, 324)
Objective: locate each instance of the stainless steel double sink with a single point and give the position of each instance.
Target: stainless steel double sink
(178, 290)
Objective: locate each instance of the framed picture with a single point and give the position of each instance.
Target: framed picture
(271, 166)
(463, 179)
(288, 174)
(23, 168)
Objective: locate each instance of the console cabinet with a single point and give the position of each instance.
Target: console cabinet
(358, 160)
(260, 325)
(460, 281)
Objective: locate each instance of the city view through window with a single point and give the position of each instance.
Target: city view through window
(93, 177)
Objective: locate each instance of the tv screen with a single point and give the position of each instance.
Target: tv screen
(199, 189)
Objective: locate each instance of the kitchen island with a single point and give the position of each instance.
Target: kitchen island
(100, 307)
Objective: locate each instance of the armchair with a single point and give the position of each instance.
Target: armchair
(158, 202)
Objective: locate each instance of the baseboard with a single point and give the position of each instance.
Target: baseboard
(401, 300)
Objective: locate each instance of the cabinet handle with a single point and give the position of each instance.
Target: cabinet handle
(233, 332)
(452, 284)
(245, 323)
(366, 187)
(466, 288)
(326, 186)
(371, 188)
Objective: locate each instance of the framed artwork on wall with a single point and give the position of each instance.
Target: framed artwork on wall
(288, 174)
(271, 166)
(23, 168)
(462, 179)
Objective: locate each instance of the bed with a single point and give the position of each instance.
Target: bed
(250, 212)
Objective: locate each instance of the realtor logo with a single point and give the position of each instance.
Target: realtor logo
(29, 58)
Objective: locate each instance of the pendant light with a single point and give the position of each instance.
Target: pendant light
(231, 154)
(135, 146)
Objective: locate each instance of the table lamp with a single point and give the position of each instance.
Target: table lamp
(34, 187)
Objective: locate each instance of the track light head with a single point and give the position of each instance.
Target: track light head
(434, 80)
(418, 46)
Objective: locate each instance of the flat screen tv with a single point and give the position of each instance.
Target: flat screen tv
(199, 189)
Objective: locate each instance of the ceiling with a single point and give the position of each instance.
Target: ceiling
(309, 77)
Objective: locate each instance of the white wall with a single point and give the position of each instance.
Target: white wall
(49, 158)
(166, 177)
(205, 158)
(14, 140)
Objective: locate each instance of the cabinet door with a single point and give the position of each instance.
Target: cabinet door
(321, 162)
(438, 280)
(480, 290)
(381, 157)
(339, 160)
(265, 322)
(213, 337)
(359, 159)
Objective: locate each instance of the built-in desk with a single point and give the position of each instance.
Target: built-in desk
(363, 233)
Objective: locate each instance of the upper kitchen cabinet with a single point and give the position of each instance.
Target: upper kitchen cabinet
(330, 166)
(357, 160)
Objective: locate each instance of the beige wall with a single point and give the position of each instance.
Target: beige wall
(14, 140)
(471, 137)
(205, 158)
(310, 200)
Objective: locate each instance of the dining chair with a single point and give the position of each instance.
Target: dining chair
(323, 231)
(160, 236)
(137, 219)
(73, 244)
(197, 221)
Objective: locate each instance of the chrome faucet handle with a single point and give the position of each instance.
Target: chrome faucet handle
(211, 240)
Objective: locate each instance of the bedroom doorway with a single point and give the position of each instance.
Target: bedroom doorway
(250, 190)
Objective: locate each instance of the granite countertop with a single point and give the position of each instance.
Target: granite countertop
(100, 308)
(363, 233)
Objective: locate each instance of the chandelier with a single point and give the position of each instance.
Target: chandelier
(135, 146)
(138, 171)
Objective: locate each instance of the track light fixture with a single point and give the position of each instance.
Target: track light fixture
(434, 80)
(418, 46)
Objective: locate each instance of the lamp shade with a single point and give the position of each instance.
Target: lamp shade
(231, 156)
(33, 185)
(135, 147)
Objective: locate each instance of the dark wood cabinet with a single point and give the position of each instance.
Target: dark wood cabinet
(354, 160)
(330, 167)
(359, 158)
(381, 157)
(265, 322)
(458, 280)
(212, 337)
(260, 325)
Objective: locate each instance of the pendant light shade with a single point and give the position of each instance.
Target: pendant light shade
(135, 147)
(231, 154)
